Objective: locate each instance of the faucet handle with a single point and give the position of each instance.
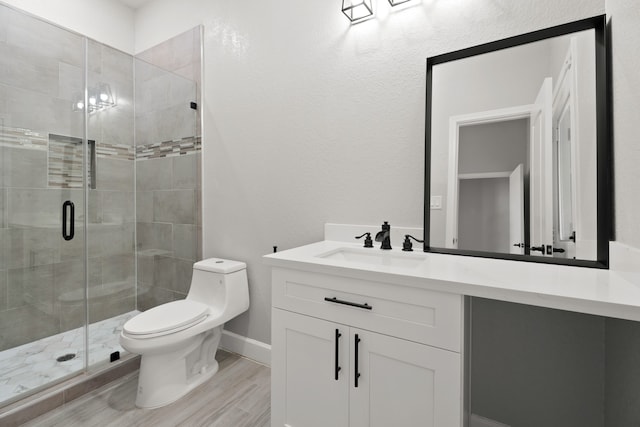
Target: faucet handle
(407, 246)
(368, 243)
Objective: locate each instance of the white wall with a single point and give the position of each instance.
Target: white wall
(106, 21)
(160, 20)
(626, 117)
(623, 387)
(308, 119)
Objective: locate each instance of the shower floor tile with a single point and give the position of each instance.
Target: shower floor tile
(33, 365)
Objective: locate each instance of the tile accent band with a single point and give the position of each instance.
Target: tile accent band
(64, 153)
(187, 145)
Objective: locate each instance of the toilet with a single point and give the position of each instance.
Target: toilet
(178, 340)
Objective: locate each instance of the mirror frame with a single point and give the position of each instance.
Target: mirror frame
(603, 139)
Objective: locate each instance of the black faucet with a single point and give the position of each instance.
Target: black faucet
(384, 236)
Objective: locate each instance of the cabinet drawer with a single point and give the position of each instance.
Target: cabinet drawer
(419, 315)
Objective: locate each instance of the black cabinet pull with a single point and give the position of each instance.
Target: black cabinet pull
(356, 373)
(349, 303)
(68, 206)
(337, 367)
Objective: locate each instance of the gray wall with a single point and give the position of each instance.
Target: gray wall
(533, 366)
(622, 373)
(493, 147)
(483, 216)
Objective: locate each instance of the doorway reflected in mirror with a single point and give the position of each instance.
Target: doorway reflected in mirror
(513, 133)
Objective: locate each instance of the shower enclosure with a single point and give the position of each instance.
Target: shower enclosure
(77, 118)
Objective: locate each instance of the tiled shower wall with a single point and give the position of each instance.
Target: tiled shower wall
(41, 275)
(168, 163)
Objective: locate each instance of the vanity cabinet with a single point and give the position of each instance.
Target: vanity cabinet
(391, 358)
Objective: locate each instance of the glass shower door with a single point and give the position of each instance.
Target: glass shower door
(42, 263)
(111, 285)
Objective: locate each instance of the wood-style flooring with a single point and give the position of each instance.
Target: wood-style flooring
(237, 396)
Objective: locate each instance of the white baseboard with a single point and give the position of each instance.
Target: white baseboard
(247, 347)
(478, 421)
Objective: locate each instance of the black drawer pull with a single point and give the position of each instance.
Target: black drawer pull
(337, 367)
(349, 303)
(356, 373)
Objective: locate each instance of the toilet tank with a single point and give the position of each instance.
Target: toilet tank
(221, 284)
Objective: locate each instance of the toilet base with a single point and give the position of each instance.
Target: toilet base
(165, 378)
(159, 401)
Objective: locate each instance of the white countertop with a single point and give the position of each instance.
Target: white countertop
(613, 293)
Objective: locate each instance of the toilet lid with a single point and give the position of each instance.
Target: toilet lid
(166, 317)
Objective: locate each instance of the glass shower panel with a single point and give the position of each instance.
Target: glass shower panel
(41, 169)
(111, 219)
(167, 179)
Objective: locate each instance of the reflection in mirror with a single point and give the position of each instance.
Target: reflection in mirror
(513, 138)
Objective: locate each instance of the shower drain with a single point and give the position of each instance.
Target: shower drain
(66, 357)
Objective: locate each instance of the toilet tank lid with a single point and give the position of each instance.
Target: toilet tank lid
(219, 265)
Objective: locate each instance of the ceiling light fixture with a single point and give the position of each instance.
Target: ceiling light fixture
(357, 10)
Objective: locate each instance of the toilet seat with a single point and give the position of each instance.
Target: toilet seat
(166, 319)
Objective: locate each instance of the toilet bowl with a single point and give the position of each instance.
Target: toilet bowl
(178, 340)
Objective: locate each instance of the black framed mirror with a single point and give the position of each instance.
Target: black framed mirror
(517, 148)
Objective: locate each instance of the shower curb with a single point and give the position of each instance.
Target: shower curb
(34, 406)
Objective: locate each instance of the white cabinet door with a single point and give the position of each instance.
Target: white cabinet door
(304, 388)
(402, 383)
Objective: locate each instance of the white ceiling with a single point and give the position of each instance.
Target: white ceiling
(134, 4)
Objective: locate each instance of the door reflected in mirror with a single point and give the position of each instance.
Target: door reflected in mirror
(513, 130)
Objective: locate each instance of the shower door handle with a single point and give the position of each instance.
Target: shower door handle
(68, 207)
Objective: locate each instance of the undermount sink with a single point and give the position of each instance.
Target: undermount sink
(374, 256)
